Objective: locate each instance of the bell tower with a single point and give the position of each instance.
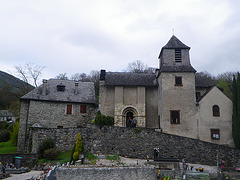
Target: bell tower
(176, 79)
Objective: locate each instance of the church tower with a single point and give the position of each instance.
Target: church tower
(176, 100)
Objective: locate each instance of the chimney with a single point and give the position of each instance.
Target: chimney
(102, 75)
(44, 88)
(76, 88)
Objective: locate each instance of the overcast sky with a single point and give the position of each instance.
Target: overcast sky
(76, 36)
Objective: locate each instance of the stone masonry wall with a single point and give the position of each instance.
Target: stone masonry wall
(130, 143)
(133, 173)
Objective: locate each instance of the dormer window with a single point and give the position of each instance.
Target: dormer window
(178, 55)
(60, 87)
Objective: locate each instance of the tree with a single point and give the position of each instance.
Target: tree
(78, 147)
(62, 76)
(236, 111)
(30, 72)
(139, 67)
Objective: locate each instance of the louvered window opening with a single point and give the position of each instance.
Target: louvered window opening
(178, 55)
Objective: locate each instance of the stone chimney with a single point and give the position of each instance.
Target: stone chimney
(44, 88)
(76, 88)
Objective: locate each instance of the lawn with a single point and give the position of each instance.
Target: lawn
(7, 147)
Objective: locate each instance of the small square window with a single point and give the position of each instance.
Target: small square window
(178, 81)
(83, 109)
(175, 117)
(215, 134)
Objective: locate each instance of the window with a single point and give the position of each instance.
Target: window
(178, 81)
(175, 117)
(215, 134)
(178, 55)
(61, 87)
(83, 109)
(69, 109)
(216, 110)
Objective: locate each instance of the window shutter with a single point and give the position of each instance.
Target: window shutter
(69, 109)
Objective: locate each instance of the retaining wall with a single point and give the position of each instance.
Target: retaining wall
(139, 143)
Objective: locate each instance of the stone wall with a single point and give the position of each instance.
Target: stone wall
(138, 144)
(28, 160)
(133, 173)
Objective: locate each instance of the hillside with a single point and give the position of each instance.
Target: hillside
(11, 89)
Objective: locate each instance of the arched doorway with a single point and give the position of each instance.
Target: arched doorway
(127, 113)
(129, 116)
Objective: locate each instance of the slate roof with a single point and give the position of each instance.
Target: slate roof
(130, 79)
(5, 113)
(201, 81)
(86, 92)
(174, 43)
(177, 68)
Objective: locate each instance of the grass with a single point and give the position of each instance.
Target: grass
(64, 157)
(7, 147)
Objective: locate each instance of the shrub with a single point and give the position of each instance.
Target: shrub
(103, 120)
(90, 156)
(51, 154)
(75, 155)
(3, 125)
(79, 145)
(137, 130)
(14, 133)
(4, 136)
(44, 145)
(73, 150)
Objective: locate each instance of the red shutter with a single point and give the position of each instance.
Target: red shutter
(83, 109)
(69, 109)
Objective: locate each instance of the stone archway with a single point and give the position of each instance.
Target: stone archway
(128, 112)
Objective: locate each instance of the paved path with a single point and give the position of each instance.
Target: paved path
(24, 176)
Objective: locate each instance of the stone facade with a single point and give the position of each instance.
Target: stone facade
(170, 100)
(74, 107)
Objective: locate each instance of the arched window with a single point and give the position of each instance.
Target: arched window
(216, 110)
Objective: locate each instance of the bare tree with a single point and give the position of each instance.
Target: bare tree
(139, 67)
(81, 77)
(62, 76)
(30, 72)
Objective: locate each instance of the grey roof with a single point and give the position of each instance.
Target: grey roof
(86, 92)
(130, 79)
(174, 43)
(5, 113)
(177, 68)
(203, 81)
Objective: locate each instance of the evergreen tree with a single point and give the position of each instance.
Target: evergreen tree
(236, 111)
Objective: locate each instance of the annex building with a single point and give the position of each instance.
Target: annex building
(173, 100)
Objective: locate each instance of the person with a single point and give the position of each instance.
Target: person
(134, 122)
(129, 122)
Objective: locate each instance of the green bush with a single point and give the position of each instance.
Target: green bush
(4, 136)
(44, 145)
(103, 120)
(14, 133)
(51, 154)
(90, 156)
(3, 125)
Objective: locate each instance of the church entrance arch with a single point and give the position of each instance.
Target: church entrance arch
(128, 112)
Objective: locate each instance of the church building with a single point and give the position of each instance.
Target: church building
(172, 100)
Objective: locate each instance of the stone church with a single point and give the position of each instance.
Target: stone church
(173, 100)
